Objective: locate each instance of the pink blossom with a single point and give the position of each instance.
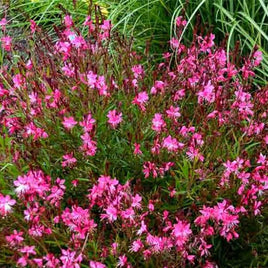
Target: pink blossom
(151, 206)
(3, 23)
(51, 260)
(33, 26)
(68, 21)
(15, 238)
(136, 246)
(171, 144)
(78, 220)
(158, 123)
(173, 112)
(70, 259)
(68, 70)
(111, 213)
(18, 80)
(64, 48)
(22, 261)
(207, 93)
(114, 118)
(6, 43)
(257, 56)
(203, 248)
(6, 204)
(137, 150)
(257, 205)
(148, 168)
(137, 71)
(32, 130)
(141, 99)
(174, 43)
(136, 201)
(180, 21)
(143, 228)
(28, 250)
(122, 261)
(158, 86)
(88, 22)
(106, 26)
(88, 123)
(182, 232)
(69, 122)
(69, 160)
(95, 264)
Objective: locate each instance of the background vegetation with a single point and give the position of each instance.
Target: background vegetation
(243, 22)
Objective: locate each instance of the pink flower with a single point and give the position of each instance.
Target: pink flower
(209, 264)
(88, 123)
(158, 86)
(70, 259)
(6, 204)
(143, 228)
(95, 264)
(68, 70)
(106, 26)
(174, 43)
(182, 232)
(180, 21)
(28, 250)
(137, 71)
(257, 56)
(3, 23)
(114, 118)
(203, 248)
(173, 112)
(111, 213)
(151, 206)
(122, 261)
(89, 146)
(22, 261)
(148, 168)
(18, 80)
(15, 238)
(6, 43)
(158, 123)
(33, 26)
(51, 261)
(69, 160)
(69, 122)
(136, 246)
(74, 183)
(137, 149)
(32, 130)
(33, 183)
(141, 99)
(68, 21)
(92, 79)
(136, 201)
(171, 144)
(64, 48)
(78, 220)
(207, 93)
(257, 205)
(88, 22)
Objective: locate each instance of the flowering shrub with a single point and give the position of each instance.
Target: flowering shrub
(109, 163)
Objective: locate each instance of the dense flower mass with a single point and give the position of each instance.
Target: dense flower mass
(111, 163)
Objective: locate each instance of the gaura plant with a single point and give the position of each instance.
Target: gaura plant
(108, 163)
